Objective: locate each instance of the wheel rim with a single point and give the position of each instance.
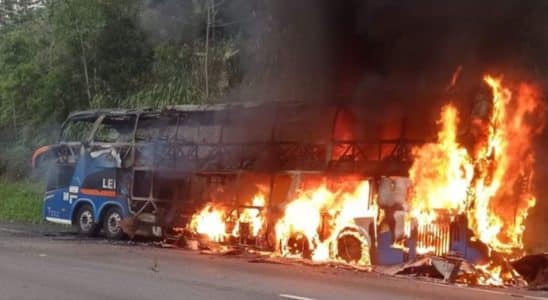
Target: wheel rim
(113, 222)
(86, 220)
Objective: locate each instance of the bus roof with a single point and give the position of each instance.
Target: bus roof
(181, 108)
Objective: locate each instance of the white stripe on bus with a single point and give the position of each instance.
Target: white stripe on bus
(59, 220)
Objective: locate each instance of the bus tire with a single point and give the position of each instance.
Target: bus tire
(85, 221)
(112, 223)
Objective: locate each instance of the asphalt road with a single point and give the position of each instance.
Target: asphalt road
(38, 265)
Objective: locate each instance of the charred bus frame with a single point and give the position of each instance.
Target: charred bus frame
(146, 161)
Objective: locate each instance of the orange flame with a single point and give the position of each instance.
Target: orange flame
(490, 274)
(210, 221)
(488, 180)
(492, 185)
(441, 172)
(252, 216)
(305, 216)
(503, 193)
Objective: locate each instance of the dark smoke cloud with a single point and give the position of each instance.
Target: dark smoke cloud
(395, 57)
(313, 49)
(389, 55)
(369, 47)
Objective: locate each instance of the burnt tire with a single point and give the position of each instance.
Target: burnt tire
(112, 224)
(85, 221)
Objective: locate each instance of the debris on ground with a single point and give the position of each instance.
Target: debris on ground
(427, 266)
(534, 269)
(154, 266)
(223, 251)
(192, 245)
(269, 259)
(531, 270)
(455, 270)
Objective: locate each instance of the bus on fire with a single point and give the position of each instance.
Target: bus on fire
(167, 173)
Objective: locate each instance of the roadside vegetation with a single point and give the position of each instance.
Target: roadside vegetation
(20, 201)
(59, 56)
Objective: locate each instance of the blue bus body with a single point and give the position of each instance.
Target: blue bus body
(62, 203)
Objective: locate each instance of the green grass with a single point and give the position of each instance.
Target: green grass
(20, 201)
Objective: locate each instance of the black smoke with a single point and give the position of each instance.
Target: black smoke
(374, 50)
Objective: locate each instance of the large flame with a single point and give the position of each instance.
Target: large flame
(441, 172)
(252, 216)
(482, 170)
(503, 194)
(213, 218)
(210, 221)
(489, 183)
(320, 209)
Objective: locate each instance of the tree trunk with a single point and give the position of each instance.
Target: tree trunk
(84, 63)
(14, 112)
(206, 52)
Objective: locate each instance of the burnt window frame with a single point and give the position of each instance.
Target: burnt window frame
(93, 121)
(131, 137)
(154, 124)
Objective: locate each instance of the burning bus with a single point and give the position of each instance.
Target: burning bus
(303, 180)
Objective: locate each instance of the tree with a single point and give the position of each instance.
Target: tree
(13, 10)
(123, 53)
(77, 25)
(58, 56)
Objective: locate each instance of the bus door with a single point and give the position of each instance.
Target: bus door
(58, 198)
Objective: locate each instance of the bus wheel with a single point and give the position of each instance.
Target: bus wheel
(112, 224)
(85, 221)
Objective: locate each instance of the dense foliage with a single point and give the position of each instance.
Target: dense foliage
(58, 56)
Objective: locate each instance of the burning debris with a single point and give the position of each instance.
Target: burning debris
(467, 196)
(452, 269)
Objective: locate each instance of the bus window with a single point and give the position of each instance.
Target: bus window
(59, 177)
(142, 181)
(77, 130)
(115, 129)
(154, 127)
(149, 128)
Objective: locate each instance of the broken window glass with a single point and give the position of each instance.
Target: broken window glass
(115, 129)
(77, 130)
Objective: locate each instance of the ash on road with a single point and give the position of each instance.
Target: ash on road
(34, 265)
